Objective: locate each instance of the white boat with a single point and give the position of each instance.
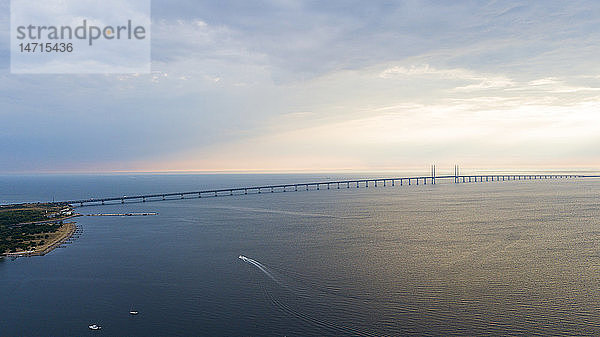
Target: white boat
(94, 327)
(133, 312)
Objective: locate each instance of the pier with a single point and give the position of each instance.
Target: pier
(327, 185)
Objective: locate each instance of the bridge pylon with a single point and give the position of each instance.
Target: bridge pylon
(456, 173)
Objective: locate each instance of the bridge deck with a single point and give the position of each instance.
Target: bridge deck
(337, 183)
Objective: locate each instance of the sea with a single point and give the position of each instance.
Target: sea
(486, 258)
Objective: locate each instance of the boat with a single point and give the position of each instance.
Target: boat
(94, 327)
(133, 312)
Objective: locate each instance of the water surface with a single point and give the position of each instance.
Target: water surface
(471, 259)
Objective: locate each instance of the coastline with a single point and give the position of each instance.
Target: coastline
(64, 233)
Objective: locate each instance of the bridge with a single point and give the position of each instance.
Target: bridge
(357, 183)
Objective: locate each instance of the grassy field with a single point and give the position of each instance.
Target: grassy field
(32, 227)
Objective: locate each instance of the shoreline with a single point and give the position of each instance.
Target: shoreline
(47, 248)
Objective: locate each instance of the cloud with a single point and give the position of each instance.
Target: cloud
(345, 84)
(479, 80)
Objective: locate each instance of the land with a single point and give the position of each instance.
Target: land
(34, 229)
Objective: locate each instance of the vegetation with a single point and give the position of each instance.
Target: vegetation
(25, 237)
(25, 226)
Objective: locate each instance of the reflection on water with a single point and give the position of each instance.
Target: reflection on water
(468, 259)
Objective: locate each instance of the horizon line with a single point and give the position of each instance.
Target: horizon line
(303, 171)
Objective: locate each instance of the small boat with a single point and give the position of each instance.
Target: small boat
(94, 327)
(133, 312)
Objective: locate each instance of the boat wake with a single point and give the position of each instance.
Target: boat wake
(281, 305)
(261, 267)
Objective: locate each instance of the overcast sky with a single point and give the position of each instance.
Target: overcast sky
(323, 85)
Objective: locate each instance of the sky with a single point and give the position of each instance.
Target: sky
(278, 86)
